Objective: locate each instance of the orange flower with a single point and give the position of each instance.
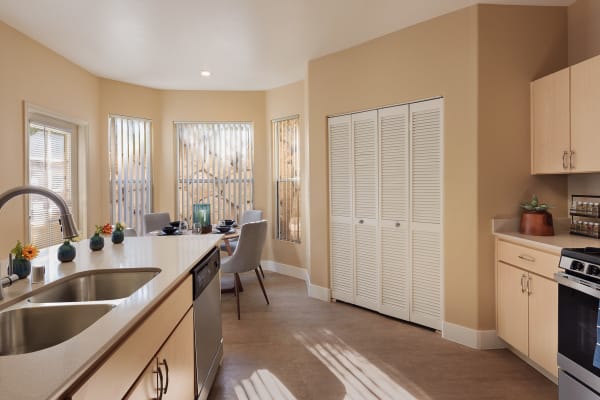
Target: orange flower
(30, 252)
(107, 229)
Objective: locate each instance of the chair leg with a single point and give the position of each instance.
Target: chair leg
(237, 294)
(261, 270)
(261, 285)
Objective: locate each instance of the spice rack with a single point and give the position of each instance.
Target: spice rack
(585, 215)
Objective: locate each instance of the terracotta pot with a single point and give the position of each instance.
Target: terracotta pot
(537, 223)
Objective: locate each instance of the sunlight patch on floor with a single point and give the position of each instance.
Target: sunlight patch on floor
(262, 385)
(361, 379)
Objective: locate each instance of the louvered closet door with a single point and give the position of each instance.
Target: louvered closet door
(365, 155)
(426, 129)
(340, 209)
(393, 212)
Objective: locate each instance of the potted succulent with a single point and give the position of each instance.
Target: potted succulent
(118, 236)
(97, 241)
(23, 256)
(535, 219)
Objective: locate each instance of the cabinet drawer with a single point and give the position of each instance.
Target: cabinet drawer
(536, 261)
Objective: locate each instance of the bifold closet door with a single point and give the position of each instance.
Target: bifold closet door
(394, 211)
(365, 172)
(426, 119)
(341, 242)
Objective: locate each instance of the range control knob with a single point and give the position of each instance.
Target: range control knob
(577, 266)
(593, 270)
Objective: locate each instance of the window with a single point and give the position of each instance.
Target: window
(215, 166)
(129, 147)
(287, 178)
(53, 165)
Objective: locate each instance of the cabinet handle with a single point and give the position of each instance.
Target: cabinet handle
(164, 362)
(565, 163)
(159, 383)
(529, 286)
(523, 277)
(526, 258)
(572, 159)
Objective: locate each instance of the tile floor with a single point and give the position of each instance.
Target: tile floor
(301, 348)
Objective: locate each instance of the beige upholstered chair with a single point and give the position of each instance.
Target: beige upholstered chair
(246, 256)
(156, 221)
(247, 216)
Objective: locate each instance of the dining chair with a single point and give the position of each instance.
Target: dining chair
(246, 256)
(129, 232)
(156, 221)
(247, 217)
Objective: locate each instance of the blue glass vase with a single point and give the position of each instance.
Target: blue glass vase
(117, 236)
(21, 267)
(96, 242)
(66, 252)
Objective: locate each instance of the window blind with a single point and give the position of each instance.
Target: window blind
(130, 153)
(215, 166)
(51, 165)
(287, 178)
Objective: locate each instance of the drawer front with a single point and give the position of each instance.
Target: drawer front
(536, 261)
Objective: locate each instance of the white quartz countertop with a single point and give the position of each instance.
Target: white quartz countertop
(45, 374)
(508, 229)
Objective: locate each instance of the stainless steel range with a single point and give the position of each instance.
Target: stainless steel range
(578, 296)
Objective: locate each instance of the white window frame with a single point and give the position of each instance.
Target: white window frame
(80, 150)
(277, 180)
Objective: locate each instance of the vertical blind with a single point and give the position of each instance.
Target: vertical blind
(215, 166)
(130, 149)
(287, 178)
(51, 165)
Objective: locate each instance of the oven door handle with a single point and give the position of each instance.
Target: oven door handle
(568, 281)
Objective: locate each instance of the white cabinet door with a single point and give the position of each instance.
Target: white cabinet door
(365, 171)
(340, 209)
(426, 119)
(394, 211)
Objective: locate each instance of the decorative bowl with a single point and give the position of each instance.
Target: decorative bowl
(169, 230)
(223, 228)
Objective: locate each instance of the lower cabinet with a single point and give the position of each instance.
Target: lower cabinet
(527, 305)
(170, 374)
(162, 341)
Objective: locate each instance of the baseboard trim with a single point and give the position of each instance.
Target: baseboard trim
(314, 291)
(285, 269)
(319, 292)
(481, 340)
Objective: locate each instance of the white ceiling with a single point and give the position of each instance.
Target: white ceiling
(246, 44)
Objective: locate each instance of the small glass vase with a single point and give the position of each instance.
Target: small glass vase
(96, 242)
(66, 252)
(117, 236)
(21, 267)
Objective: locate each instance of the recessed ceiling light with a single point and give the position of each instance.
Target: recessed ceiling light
(205, 73)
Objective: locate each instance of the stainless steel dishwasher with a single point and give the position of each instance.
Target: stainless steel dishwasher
(208, 337)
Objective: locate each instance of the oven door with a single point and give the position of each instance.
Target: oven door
(577, 321)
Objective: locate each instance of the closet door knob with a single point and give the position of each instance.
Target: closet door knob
(397, 224)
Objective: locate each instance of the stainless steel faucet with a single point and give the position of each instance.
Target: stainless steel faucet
(66, 219)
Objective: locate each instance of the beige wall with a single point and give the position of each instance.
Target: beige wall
(180, 105)
(434, 58)
(584, 30)
(134, 101)
(509, 59)
(282, 102)
(30, 72)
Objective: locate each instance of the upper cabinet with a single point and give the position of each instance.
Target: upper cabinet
(585, 115)
(565, 114)
(550, 143)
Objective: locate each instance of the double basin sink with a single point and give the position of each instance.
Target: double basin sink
(64, 309)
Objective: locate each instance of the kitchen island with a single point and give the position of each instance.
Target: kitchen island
(60, 369)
